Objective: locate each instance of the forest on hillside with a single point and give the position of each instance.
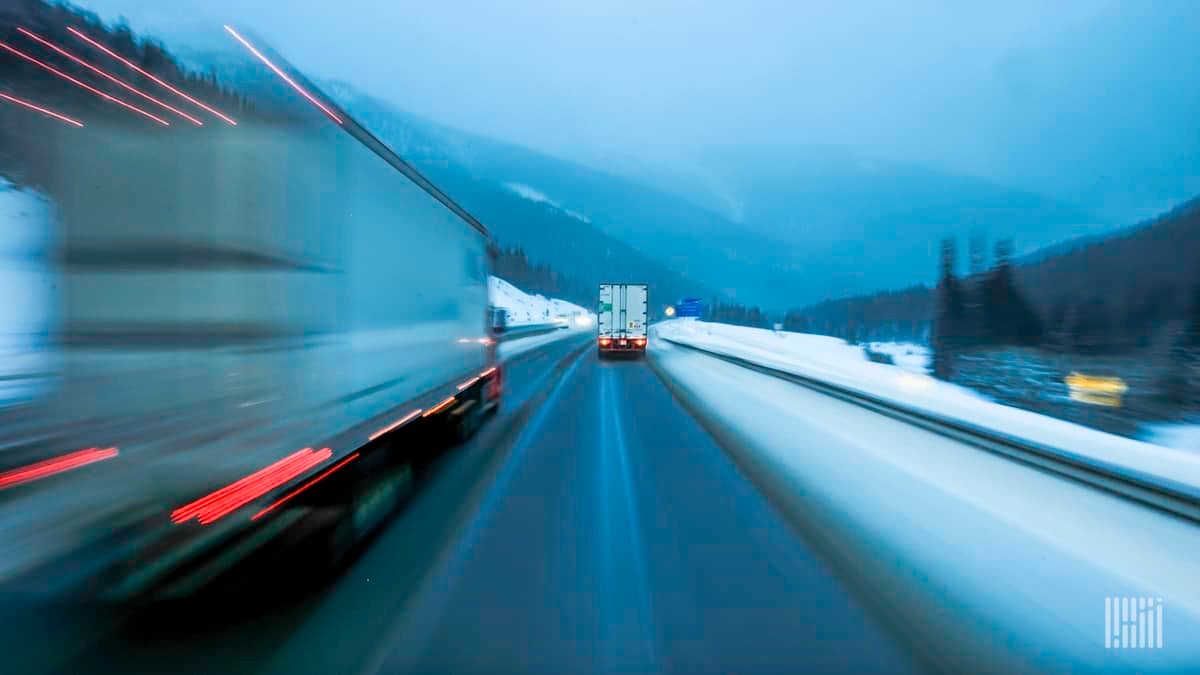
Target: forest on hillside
(514, 266)
(1115, 295)
(28, 28)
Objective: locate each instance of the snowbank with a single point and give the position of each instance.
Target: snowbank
(911, 357)
(523, 308)
(1178, 436)
(981, 559)
(832, 360)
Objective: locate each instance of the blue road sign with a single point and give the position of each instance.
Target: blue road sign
(688, 307)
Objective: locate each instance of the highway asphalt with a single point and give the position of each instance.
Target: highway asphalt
(592, 527)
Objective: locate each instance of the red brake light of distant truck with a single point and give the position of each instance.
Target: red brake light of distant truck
(641, 342)
(604, 342)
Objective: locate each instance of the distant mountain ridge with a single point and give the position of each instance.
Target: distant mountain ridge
(1130, 283)
(814, 223)
(828, 225)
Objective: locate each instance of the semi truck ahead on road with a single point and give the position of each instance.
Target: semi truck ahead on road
(255, 330)
(622, 318)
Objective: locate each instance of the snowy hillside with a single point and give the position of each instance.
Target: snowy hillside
(535, 195)
(523, 308)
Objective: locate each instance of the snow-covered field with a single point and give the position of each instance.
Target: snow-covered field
(525, 308)
(832, 360)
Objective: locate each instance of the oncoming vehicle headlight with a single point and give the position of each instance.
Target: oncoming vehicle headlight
(583, 320)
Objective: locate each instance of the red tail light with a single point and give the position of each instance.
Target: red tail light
(496, 384)
(641, 342)
(604, 342)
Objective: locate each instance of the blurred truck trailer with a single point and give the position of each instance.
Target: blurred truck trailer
(259, 325)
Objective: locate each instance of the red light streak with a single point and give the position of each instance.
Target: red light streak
(40, 109)
(57, 465)
(33, 36)
(156, 80)
(397, 424)
(304, 487)
(280, 73)
(234, 496)
(468, 383)
(439, 407)
(83, 85)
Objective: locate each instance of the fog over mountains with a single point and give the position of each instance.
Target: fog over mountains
(814, 169)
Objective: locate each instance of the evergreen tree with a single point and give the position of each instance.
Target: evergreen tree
(1007, 317)
(950, 315)
(1180, 380)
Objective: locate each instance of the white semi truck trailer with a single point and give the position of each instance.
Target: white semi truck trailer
(621, 319)
(252, 332)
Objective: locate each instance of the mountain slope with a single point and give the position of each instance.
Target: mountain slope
(1131, 283)
(590, 224)
(850, 225)
(815, 224)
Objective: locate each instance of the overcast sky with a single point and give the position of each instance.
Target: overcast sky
(645, 78)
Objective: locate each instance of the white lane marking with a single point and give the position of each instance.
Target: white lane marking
(610, 405)
(423, 615)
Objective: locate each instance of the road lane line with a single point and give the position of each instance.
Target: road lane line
(643, 602)
(423, 616)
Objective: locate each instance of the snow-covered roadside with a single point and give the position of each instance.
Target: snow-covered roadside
(834, 361)
(526, 308)
(523, 309)
(978, 557)
(1178, 436)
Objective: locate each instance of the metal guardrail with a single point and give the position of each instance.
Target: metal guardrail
(528, 330)
(1173, 497)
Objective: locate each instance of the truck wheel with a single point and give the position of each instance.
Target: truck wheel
(466, 418)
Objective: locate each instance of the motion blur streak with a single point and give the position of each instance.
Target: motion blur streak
(439, 407)
(253, 490)
(83, 85)
(156, 80)
(111, 78)
(54, 466)
(204, 504)
(280, 73)
(302, 488)
(232, 497)
(487, 372)
(44, 111)
(398, 423)
(468, 383)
